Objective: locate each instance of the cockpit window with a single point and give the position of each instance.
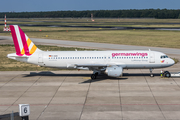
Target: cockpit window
(164, 56)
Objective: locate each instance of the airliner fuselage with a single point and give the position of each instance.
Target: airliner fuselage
(110, 62)
(86, 59)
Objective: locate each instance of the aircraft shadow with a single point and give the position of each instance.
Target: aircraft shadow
(124, 77)
(140, 74)
(8, 116)
(49, 73)
(101, 78)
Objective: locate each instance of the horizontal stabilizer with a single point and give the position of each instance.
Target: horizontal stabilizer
(14, 55)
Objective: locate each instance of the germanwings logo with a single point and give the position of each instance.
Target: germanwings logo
(129, 54)
(22, 43)
(162, 61)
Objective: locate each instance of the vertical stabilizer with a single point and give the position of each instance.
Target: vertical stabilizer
(22, 43)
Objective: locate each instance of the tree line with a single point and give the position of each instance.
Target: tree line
(132, 13)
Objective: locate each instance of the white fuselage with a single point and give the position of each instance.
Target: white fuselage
(110, 62)
(86, 59)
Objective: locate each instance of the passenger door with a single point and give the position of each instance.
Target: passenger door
(152, 57)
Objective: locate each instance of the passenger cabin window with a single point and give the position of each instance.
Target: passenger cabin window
(140, 57)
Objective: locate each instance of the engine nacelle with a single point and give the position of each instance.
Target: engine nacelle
(114, 71)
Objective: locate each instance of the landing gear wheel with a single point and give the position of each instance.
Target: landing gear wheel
(151, 75)
(93, 76)
(167, 74)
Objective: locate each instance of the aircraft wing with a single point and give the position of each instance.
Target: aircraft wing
(99, 65)
(91, 65)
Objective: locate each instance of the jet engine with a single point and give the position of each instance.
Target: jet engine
(114, 71)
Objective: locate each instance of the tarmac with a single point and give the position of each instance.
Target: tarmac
(72, 95)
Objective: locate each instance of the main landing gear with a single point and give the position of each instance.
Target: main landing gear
(151, 74)
(93, 76)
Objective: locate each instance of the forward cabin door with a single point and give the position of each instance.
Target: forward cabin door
(152, 57)
(40, 58)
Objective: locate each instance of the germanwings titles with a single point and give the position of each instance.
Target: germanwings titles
(110, 62)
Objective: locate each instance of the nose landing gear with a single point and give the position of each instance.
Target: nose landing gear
(151, 74)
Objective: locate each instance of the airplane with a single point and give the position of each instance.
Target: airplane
(111, 63)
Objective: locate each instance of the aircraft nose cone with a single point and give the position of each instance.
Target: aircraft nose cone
(172, 62)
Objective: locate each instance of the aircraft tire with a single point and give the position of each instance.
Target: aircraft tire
(164, 74)
(151, 75)
(167, 74)
(93, 76)
(96, 73)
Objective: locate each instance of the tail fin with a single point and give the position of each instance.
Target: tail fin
(22, 43)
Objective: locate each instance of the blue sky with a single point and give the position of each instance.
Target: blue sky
(58, 5)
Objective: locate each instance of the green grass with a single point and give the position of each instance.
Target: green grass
(114, 22)
(124, 20)
(7, 64)
(154, 38)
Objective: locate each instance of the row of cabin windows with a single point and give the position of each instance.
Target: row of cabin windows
(99, 57)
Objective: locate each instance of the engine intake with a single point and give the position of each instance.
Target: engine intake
(114, 71)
